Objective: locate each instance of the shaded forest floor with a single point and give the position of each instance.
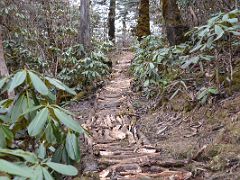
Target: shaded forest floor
(134, 139)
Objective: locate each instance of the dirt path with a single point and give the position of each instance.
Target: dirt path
(121, 149)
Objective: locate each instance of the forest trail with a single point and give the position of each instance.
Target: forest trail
(121, 149)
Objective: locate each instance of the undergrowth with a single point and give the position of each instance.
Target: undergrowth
(202, 68)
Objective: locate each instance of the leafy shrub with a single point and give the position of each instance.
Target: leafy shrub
(216, 32)
(157, 67)
(154, 65)
(78, 71)
(26, 165)
(33, 122)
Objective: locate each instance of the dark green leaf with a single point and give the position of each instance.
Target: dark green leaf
(68, 121)
(63, 169)
(29, 157)
(72, 147)
(58, 84)
(213, 91)
(37, 124)
(38, 84)
(233, 20)
(2, 139)
(2, 82)
(17, 80)
(14, 169)
(50, 134)
(219, 31)
(7, 133)
(46, 174)
(42, 151)
(38, 174)
(17, 108)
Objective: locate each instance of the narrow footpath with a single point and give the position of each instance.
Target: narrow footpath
(121, 149)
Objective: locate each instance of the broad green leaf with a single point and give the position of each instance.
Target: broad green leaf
(2, 82)
(57, 156)
(38, 84)
(7, 133)
(68, 121)
(210, 42)
(225, 17)
(203, 32)
(52, 97)
(42, 151)
(207, 57)
(214, 19)
(17, 108)
(70, 91)
(38, 174)
(197, 47)
(213, 90)
(17, 80)
(2, 139)
(37, 124)
(29, 157)
(58, 84)
(6, 86)
(64, 110)
(50, 134)
(72, 147)
(31, 110)
(233, 20)
(46, 174)
(63, 169)
(219, 31)
(14, 169)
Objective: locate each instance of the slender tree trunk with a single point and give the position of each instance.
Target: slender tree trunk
(124, 30)
(143, 23)
(3, 67)
(111, 20)
(84, 34)
(175, 27)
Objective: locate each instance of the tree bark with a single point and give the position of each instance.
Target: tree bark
(143, 23)
(3, 66)
(84, 34)
(124, 30)
(111, 20)
(175, 27)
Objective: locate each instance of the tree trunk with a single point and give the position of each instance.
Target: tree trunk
(3, 67)
(124, 30)
(111, 20)
(143, 23)
(84, 34)
(175, 27)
